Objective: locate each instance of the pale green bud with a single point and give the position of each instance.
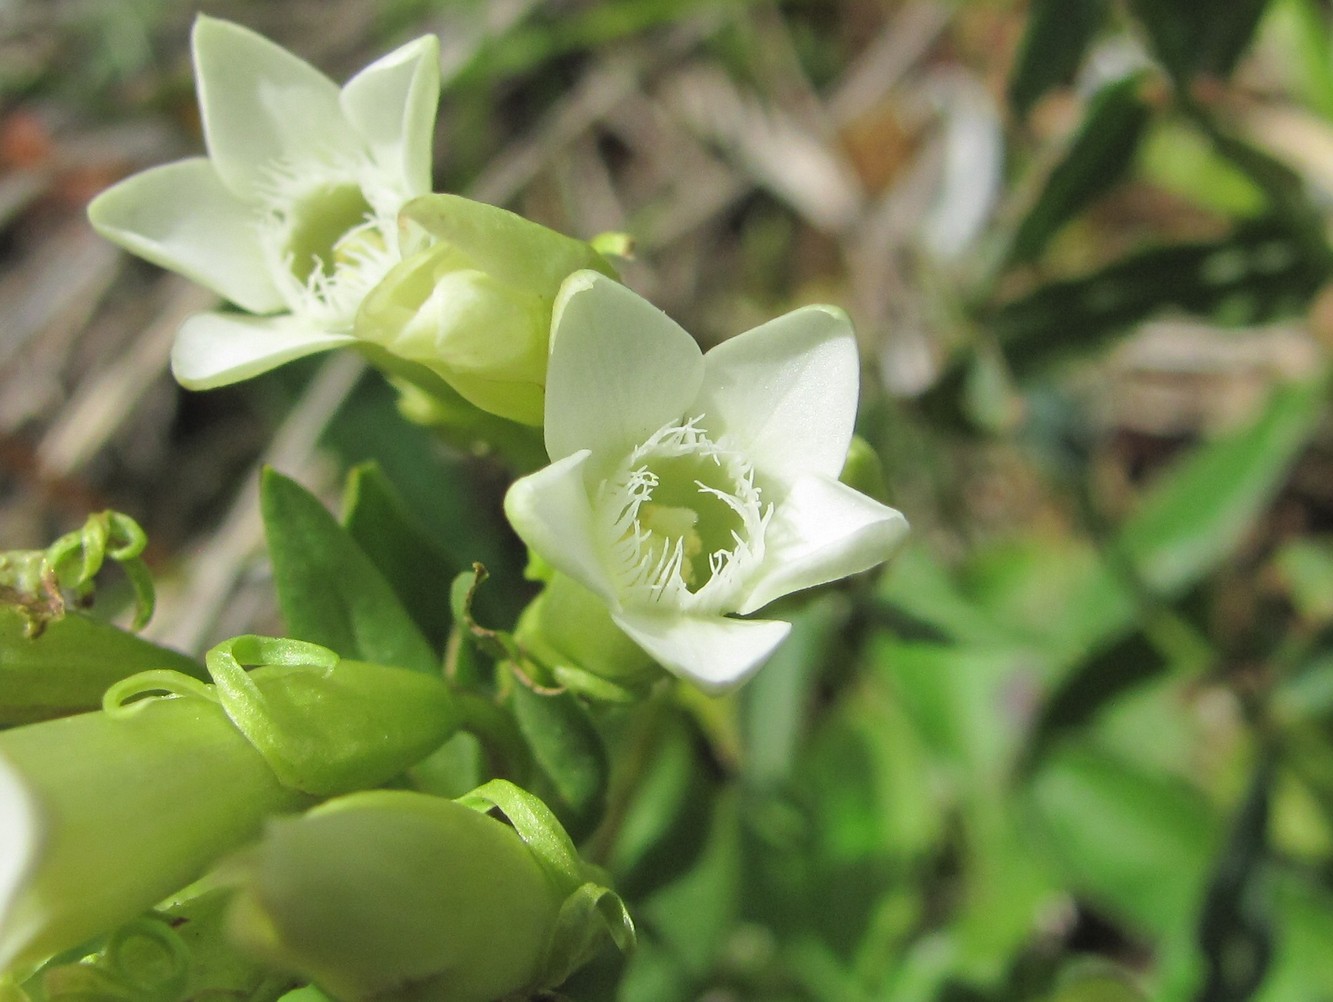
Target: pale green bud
(474, 306)
(120, 811)
(103, 815)
(394, 894)
(568, 627)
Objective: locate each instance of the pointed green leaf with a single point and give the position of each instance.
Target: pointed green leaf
(1199, 37)
(1260, 271)
(420, 575)
(569, 752)
(1097, 159)
(1133, 842)
(1058, 34)
(329, 590)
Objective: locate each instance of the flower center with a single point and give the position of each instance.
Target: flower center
(329, 234)
(683, 520)
(318, 224)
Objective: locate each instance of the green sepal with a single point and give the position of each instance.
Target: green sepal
(586, 684)
(591, 907)
(496, 644)
(328, 725)
(143, 961)
(325, 725)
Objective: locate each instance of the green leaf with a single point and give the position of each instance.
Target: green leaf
(692, 915)
(451, 495)
(1199, 37)
(329, 590)
(1097, 158)
(1260, 271)
(775, 704)
(569, 752)
(1197, 514)
(1132, 841)
(1302, 962)
(1095, 981)
(1302, 26)
(1305, 567)
(668, 798)
(1058, 34)
(68, 667)
(1203, 509)
(419, 573)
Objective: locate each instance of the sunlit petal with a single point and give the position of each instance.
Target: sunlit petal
(785, 392)
(550, 512)
(400, 141)
(620, 369)
(216, 349)
(715, 653)
(823, 531)
(262, 106)
(180, 217)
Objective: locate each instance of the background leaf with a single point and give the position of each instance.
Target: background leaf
(330, 591)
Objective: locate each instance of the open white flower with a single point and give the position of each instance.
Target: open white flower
(685, 487)
(293, 215)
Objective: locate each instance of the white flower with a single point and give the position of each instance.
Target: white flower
(293, 215)
(685, 487)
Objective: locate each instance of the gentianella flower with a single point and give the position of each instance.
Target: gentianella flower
(293, 215)
(688, 489)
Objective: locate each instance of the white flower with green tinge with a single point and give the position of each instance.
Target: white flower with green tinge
(293, 214)
(687, 489)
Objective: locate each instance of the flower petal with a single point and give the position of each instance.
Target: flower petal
(620, 369)
(823, 531)
(408, 79)
(217, 349)
(180, 217)
(262, 105)
(785, 392)
(715, 653)
(550, 512)
(503, 244)
(20, 833)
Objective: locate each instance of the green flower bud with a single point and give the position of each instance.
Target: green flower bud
(113, 812)
(103, 815)
(474, 306)
(568, 627)
(394, 894)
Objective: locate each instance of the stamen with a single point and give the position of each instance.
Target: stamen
(683, 520)
(328, 227)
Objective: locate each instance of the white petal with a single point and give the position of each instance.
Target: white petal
(785, 392)
(823, 531)
(20, 835)
(550, 512)
(180, 217)
(261, 104)
(217, 349)
(620, 369)
(715, 653)
(392, 103)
